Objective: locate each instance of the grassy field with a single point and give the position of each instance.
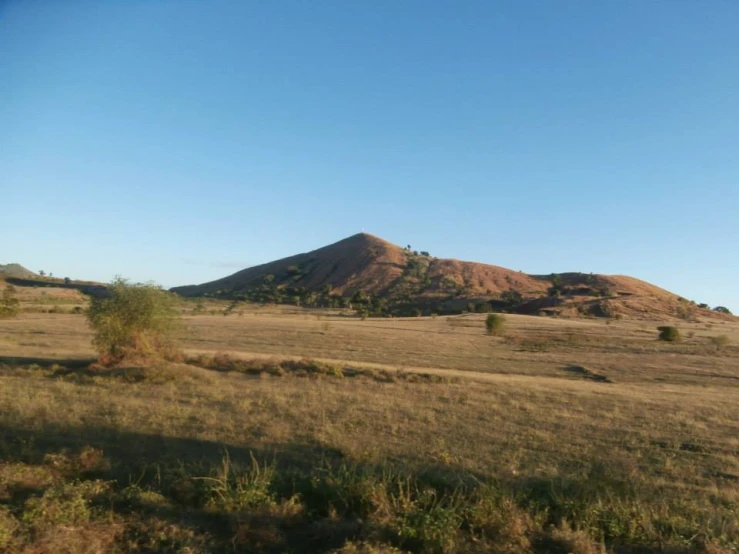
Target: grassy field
(402, 435)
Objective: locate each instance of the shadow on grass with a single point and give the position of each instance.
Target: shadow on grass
(193, 495)
(588, 374)
(186, 494)
(187, 477)
(46, 363)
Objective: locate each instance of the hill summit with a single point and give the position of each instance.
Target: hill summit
(16, 270)
(374, 276)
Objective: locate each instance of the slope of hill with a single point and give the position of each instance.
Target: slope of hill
(377, 277)
(16, 270)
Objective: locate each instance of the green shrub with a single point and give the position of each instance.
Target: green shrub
(512, 298)
(9, 304)
(133, 321)
(495, 324)
(669, 333)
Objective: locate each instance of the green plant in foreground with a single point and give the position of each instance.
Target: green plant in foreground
(495, 324)
(669, 333)
(133, 321)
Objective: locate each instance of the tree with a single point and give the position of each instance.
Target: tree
(9, 304)
(67, 280)
(495, 324)
(512, 298)
(556, 288)
(360, 297)
(42, 272)
(310, 298)
(134, 322)
(722, 310)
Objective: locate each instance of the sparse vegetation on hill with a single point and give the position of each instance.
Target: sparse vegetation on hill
(399, 281)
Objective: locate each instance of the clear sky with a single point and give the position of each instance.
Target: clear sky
(181, 140)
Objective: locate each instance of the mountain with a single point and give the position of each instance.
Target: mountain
(16, 270)
(373, 275)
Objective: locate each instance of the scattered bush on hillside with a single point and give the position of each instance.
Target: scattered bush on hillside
(495, 324)
(134, 322)
(557, 287)
(720, 341)
(722, 310)
(9, 304)
(669, 333)
(483, 307)
(512, 298)
(685, 310)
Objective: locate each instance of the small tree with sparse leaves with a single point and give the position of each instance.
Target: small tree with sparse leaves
(134, 322)
(9, 304)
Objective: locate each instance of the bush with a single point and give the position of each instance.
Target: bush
(720, 341)
(669, 333)
(512, 298)
(9, 304)
(495, 324)
(133, 321)
(722, 310)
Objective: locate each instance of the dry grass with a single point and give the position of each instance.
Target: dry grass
(624, 351)
(48, 299)
(563, 436)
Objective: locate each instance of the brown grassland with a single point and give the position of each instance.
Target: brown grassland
(302, 431)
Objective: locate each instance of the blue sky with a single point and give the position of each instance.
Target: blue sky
(180, 140)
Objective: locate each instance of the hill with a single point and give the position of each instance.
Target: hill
(16, 270)
(371, 275)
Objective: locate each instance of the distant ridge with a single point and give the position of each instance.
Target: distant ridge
(370, 274)
(16, 270)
